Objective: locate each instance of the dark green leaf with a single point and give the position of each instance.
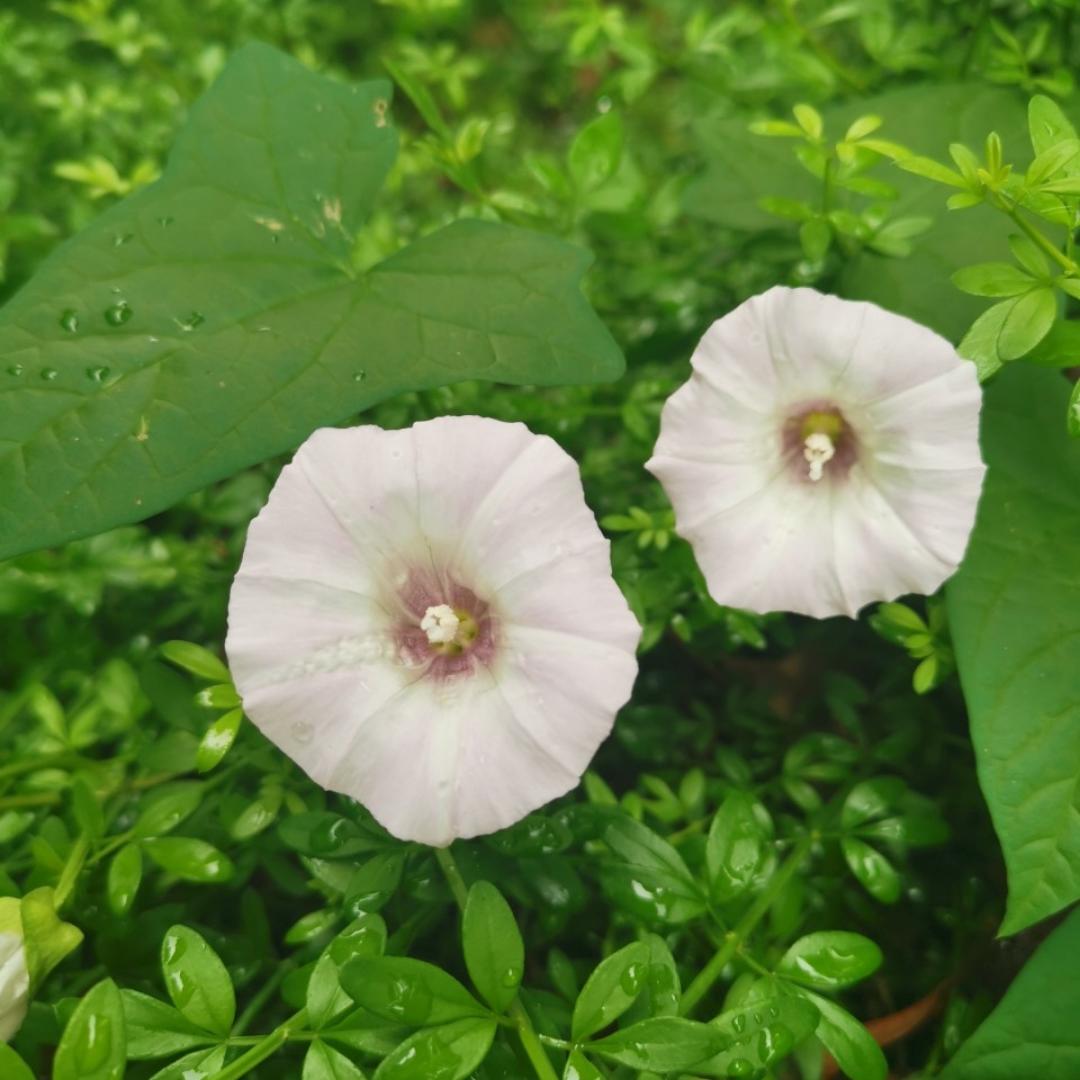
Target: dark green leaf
(406, 991)
(579, 1067)
(610, 990)
(155, 1029)
(217, 740)
(125, 874)
(198, 1065)
(650, 873)
(323, 1062)
(663, 1044)
(449, 1052)
(230, 321)
(494, 951)
(1014, 613)
(327, 836)
(737, 846)
(197, 980)
(365, 936)
(93, 1046)
(873, 871)
(371, 887)
(853, 1047)
(761, 1030)
(1033, 1032)
(871, 799)
(167, 806)
(830, 960)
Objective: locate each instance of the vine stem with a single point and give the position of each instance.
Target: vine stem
(1039, 238)
(267, 1046)
(530, 1041)
(708, 975)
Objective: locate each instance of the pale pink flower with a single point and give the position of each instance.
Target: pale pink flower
(823, 454)
(426, 620)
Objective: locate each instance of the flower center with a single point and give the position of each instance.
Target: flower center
(818, 450)
(817, 436)
(450, 631)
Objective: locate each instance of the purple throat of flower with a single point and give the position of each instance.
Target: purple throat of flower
(818, 442)
(442, 627)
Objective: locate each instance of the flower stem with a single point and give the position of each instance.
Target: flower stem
(1038, 237)
(745, 926)
(70, 874)
(266, 1047)
(530, 1041)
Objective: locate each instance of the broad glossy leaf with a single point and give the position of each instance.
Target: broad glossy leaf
(217, 317)
(1033, 1032)
(649, 874)
(874, 872)
(93, 1044)
(737, 845)
(491, 940)
(155, 1029)
(853, 1047)
(1014, 613)
(197, 980)
(610, 990)
(830, 959)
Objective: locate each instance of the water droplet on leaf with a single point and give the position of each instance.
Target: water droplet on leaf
(118, 313)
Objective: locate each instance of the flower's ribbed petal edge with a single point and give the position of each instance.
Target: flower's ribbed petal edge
(767, 539)
(501, 511)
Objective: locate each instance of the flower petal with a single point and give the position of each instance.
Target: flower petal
(893, 518)
(458, 510)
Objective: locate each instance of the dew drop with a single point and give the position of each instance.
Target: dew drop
(359, 376)
(739, 1024)
(69, 320)
(118, 314)
(740, 1067)
(631, 979)
(511, 976)
(49, 373)
(15, 369)
(302, 731)
(165, 221)
(120, 239)
(191, 321)
(97, 374)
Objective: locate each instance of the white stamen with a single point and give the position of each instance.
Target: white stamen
(818, 450)
(440, 623)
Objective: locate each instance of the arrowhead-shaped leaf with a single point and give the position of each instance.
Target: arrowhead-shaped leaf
(218, 316)
(1014, 611)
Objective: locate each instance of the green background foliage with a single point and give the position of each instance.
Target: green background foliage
(787, 834)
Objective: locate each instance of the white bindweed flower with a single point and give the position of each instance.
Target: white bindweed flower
(426, 620)
(14, 975)
(823, 454)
